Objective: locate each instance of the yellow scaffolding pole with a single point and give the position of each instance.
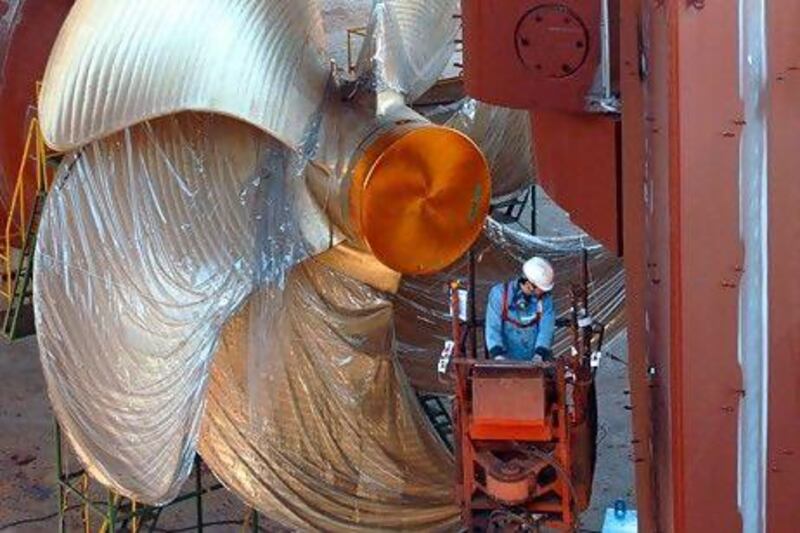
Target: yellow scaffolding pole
(17, 218)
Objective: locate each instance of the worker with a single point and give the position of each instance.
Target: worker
(520, 315)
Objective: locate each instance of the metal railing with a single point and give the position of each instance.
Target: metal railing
(29, 183)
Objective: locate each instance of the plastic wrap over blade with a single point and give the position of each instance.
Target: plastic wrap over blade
(145, 248)
(504, 136)
(343, 444)
(119, 62)
(409, 44)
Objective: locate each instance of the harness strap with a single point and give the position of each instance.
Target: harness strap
(517, 323)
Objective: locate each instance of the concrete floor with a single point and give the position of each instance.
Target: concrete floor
(614, 473)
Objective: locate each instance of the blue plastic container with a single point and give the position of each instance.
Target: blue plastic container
(619, 519)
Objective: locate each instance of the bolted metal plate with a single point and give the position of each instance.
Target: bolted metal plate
(552, 41)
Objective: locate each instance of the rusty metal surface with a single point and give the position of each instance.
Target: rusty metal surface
(706, 259)
(577, 164)
(633, 217)
(530, 53)
(681, 154)
(656, 258)
(27, 31)
(680, 158)
(692, 253)
(783, 75)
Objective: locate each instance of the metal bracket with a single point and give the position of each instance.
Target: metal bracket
(446, 357)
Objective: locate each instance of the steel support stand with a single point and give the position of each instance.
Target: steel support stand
(198, 477)
(111, 513)
(116, 511)
(473, 309)
(62, 495)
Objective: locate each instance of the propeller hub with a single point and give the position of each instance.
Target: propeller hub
(418, 197)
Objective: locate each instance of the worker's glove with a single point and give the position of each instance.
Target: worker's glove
(545, 353)
(497, 352)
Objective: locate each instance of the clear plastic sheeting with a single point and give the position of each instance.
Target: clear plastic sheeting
(157, 231)
(343, 445)
(409, 44)
(145, 247)
(504, 136)
(423, 320)
(259, 61)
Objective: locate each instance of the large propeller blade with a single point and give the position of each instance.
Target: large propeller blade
(409, 44)
(117, 63)
(156, 233)
(145, 248)
(340, 444)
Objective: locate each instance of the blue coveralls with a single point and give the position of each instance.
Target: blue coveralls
(529, 322)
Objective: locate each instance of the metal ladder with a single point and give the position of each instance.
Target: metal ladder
(437, 412)
(19, 319)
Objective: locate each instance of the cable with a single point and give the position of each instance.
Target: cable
(28, 521)
(206, 524)
(617, 359)
(194, 528)
(44, 518)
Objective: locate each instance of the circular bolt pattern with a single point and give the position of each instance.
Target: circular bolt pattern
(552, 42)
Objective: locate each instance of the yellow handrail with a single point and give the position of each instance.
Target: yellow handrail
(17, 211)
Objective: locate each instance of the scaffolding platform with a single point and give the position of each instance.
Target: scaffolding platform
(113, 513)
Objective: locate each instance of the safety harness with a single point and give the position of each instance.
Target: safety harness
(517, 323)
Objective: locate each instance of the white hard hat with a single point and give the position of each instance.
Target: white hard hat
(539, 272)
